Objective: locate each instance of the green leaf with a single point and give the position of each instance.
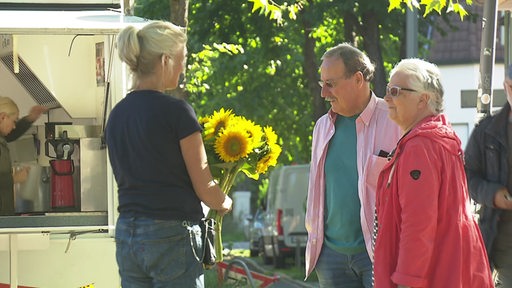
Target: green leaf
(258, 4)
(433, 5)
(459, 9)
(412, 3)
(394, 4)
(292, 13)
(254, 176)
(275, 12)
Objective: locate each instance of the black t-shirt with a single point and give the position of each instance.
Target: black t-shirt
(143, 136)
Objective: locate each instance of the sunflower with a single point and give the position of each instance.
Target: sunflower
(270, 159)
(254, 131)
(232, 144)
(270, 134)
(216, 122)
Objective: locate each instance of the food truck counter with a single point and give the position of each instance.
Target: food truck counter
(54, 222)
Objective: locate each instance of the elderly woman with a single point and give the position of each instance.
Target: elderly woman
(427, 236)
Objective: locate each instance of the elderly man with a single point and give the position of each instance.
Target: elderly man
(350, 146)
(488, 168)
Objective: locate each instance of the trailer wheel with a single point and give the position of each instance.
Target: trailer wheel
(255, 251)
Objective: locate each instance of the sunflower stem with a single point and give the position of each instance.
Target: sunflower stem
(226, 183)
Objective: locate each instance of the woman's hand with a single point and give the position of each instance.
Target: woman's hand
(35, 112)
(227, 205)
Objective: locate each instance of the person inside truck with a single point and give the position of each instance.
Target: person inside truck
(426, 232)
(159, 162)
(488, 163)
(350, 146)
(11, 128)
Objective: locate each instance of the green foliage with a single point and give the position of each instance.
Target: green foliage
(275, 11)
(429, 6)
(239, 60)
(246, 63)
(153, 9)
(242, 61)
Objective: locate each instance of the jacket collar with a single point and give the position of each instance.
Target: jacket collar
(498, 126)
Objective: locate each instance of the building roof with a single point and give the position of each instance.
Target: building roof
(462, 45)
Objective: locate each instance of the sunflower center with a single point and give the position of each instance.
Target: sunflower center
(233, 147)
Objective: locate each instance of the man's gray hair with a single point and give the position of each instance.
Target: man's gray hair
(354, 59)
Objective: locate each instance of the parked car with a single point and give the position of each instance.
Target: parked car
(255, 231)
(284, 233)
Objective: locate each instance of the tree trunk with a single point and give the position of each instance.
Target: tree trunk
(370, 34)
(310, 65)
(179, 16)
(179, 12)
(349, 26)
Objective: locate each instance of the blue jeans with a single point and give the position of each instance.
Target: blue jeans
(339, 270)
(156, 253)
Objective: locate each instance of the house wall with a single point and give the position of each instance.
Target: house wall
(456, 78)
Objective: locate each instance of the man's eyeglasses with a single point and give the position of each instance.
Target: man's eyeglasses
(331, 83)
(394, 91)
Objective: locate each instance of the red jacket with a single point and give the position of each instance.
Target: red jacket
(427, 236)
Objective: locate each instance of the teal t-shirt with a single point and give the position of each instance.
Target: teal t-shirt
(342, 229)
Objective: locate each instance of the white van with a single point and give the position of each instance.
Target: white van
(284, 232)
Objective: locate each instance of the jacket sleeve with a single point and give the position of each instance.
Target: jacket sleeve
(419, 178)
(21, 127)
(480, 189)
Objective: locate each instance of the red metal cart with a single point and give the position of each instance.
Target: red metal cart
(238, 274)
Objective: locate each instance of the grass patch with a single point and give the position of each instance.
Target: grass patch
(231, 231)
(290, 271)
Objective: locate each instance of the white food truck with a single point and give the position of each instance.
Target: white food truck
(61, 54)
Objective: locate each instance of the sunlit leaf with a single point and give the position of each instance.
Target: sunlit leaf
(394, 4)
(459, 9)
(258, 4)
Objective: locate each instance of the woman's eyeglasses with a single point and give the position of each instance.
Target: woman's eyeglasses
(394, 91)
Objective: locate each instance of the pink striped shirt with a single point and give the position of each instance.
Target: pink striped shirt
(375, 132)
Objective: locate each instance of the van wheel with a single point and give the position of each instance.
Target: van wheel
(266, 260)
(255, 251)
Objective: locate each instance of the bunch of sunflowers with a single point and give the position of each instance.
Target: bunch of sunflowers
(235, 144)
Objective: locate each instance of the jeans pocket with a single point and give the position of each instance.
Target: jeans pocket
(165, 258)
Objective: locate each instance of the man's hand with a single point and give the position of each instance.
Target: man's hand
(502, 199)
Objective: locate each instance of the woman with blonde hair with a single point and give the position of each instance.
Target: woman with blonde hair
(159, 162)
(11, 129)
